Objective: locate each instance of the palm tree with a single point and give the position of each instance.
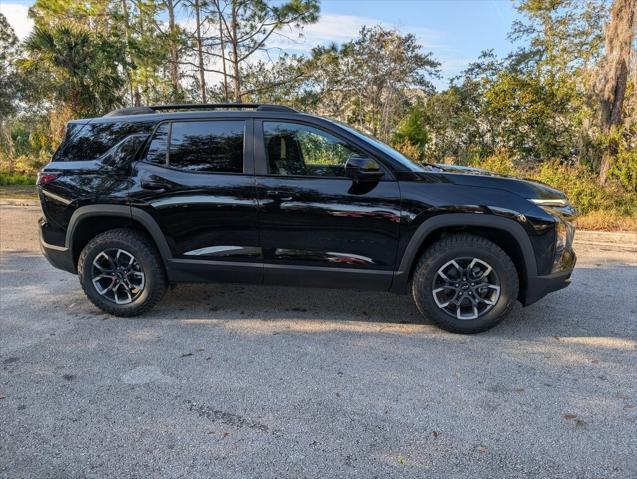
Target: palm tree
(80, 69)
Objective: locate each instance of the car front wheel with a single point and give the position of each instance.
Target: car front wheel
(465, 284)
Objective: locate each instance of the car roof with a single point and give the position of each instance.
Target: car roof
(197, 110)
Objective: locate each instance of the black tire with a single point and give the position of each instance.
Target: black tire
(146, 256)
(464, 246)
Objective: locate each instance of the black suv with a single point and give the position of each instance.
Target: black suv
(149, 196)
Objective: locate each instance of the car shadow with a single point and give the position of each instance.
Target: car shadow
(586, 308)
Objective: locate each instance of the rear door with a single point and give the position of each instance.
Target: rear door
(317, 227)
(196, 180)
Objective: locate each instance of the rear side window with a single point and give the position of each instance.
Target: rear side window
(159, 143)
(207, 146)
(94, 139)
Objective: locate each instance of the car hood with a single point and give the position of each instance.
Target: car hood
(468, 176)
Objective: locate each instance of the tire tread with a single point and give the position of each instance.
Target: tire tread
(455, 242)
(156, 265)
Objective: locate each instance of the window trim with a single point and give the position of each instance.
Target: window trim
(261, 157)
(248, 162)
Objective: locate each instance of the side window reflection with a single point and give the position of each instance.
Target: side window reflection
(207, 146)
(300, 150)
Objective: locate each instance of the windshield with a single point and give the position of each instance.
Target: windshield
(388, 150)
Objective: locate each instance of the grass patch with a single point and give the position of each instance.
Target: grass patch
(18, 192)
(7, 179)
(602, 220)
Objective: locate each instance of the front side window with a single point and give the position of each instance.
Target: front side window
(298, 150)
(207, 146)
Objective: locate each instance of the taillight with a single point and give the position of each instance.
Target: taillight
(45, 177)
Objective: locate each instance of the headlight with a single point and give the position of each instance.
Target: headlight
(565, 216)
(549, 202)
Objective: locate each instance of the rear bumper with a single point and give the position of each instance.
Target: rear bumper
(539, 286)
(59, 256)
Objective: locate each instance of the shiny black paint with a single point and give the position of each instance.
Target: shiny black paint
(196, 211)
(207, 219)
(326, 222)
(427, 195)
(105, 180)
(293, 230)
(321, 222)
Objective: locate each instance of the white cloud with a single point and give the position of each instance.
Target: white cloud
(330, 28)
(17, 16)
(339, 29)
(342, 28)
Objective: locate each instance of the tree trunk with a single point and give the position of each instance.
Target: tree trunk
(235, 54)
(174, 54)
(223, 53)
(143, 95)
(202, 79)
(619, 34)
(133, 90)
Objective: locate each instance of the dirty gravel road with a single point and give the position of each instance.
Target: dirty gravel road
(233, 381)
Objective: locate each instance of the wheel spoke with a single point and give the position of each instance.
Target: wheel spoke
(485, 272)
(438, 302)
(494, 297)
(108, 259)
(112, 277)
(474, 315)
(466, 288)
(126, 279)
(137, 279)
(121, 252)
(102, 291)
(472, 304)
(444, 276)
(457, 266)
(126, 290)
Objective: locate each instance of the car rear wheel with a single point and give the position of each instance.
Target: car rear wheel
(465, 284)
(122, 273)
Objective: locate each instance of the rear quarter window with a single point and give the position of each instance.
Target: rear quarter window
(92, 140)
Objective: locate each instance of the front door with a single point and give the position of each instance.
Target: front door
(197, 182)
(316, 226)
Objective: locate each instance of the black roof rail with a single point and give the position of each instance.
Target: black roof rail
(214, 106)
(137, 110)
(143, 110)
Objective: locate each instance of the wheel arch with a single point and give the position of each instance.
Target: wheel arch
(89, 221)
(506, 233)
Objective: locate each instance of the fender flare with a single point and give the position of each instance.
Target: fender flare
(124, 211)
(507, 225)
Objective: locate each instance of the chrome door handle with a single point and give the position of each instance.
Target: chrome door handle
(152, 186)
(279, 195)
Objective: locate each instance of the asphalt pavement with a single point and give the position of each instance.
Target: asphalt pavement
(231, 381)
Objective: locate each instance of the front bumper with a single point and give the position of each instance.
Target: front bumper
(59, 256)
(539, 286)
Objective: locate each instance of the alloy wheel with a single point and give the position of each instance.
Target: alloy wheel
(466, 288)
(117, 275)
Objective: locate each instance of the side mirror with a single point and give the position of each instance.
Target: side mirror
(363, 169)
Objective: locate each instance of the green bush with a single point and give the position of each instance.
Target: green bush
(624, 169)
(579, 184)
(7, 179)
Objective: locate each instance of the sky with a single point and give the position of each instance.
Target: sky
(455, 31)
